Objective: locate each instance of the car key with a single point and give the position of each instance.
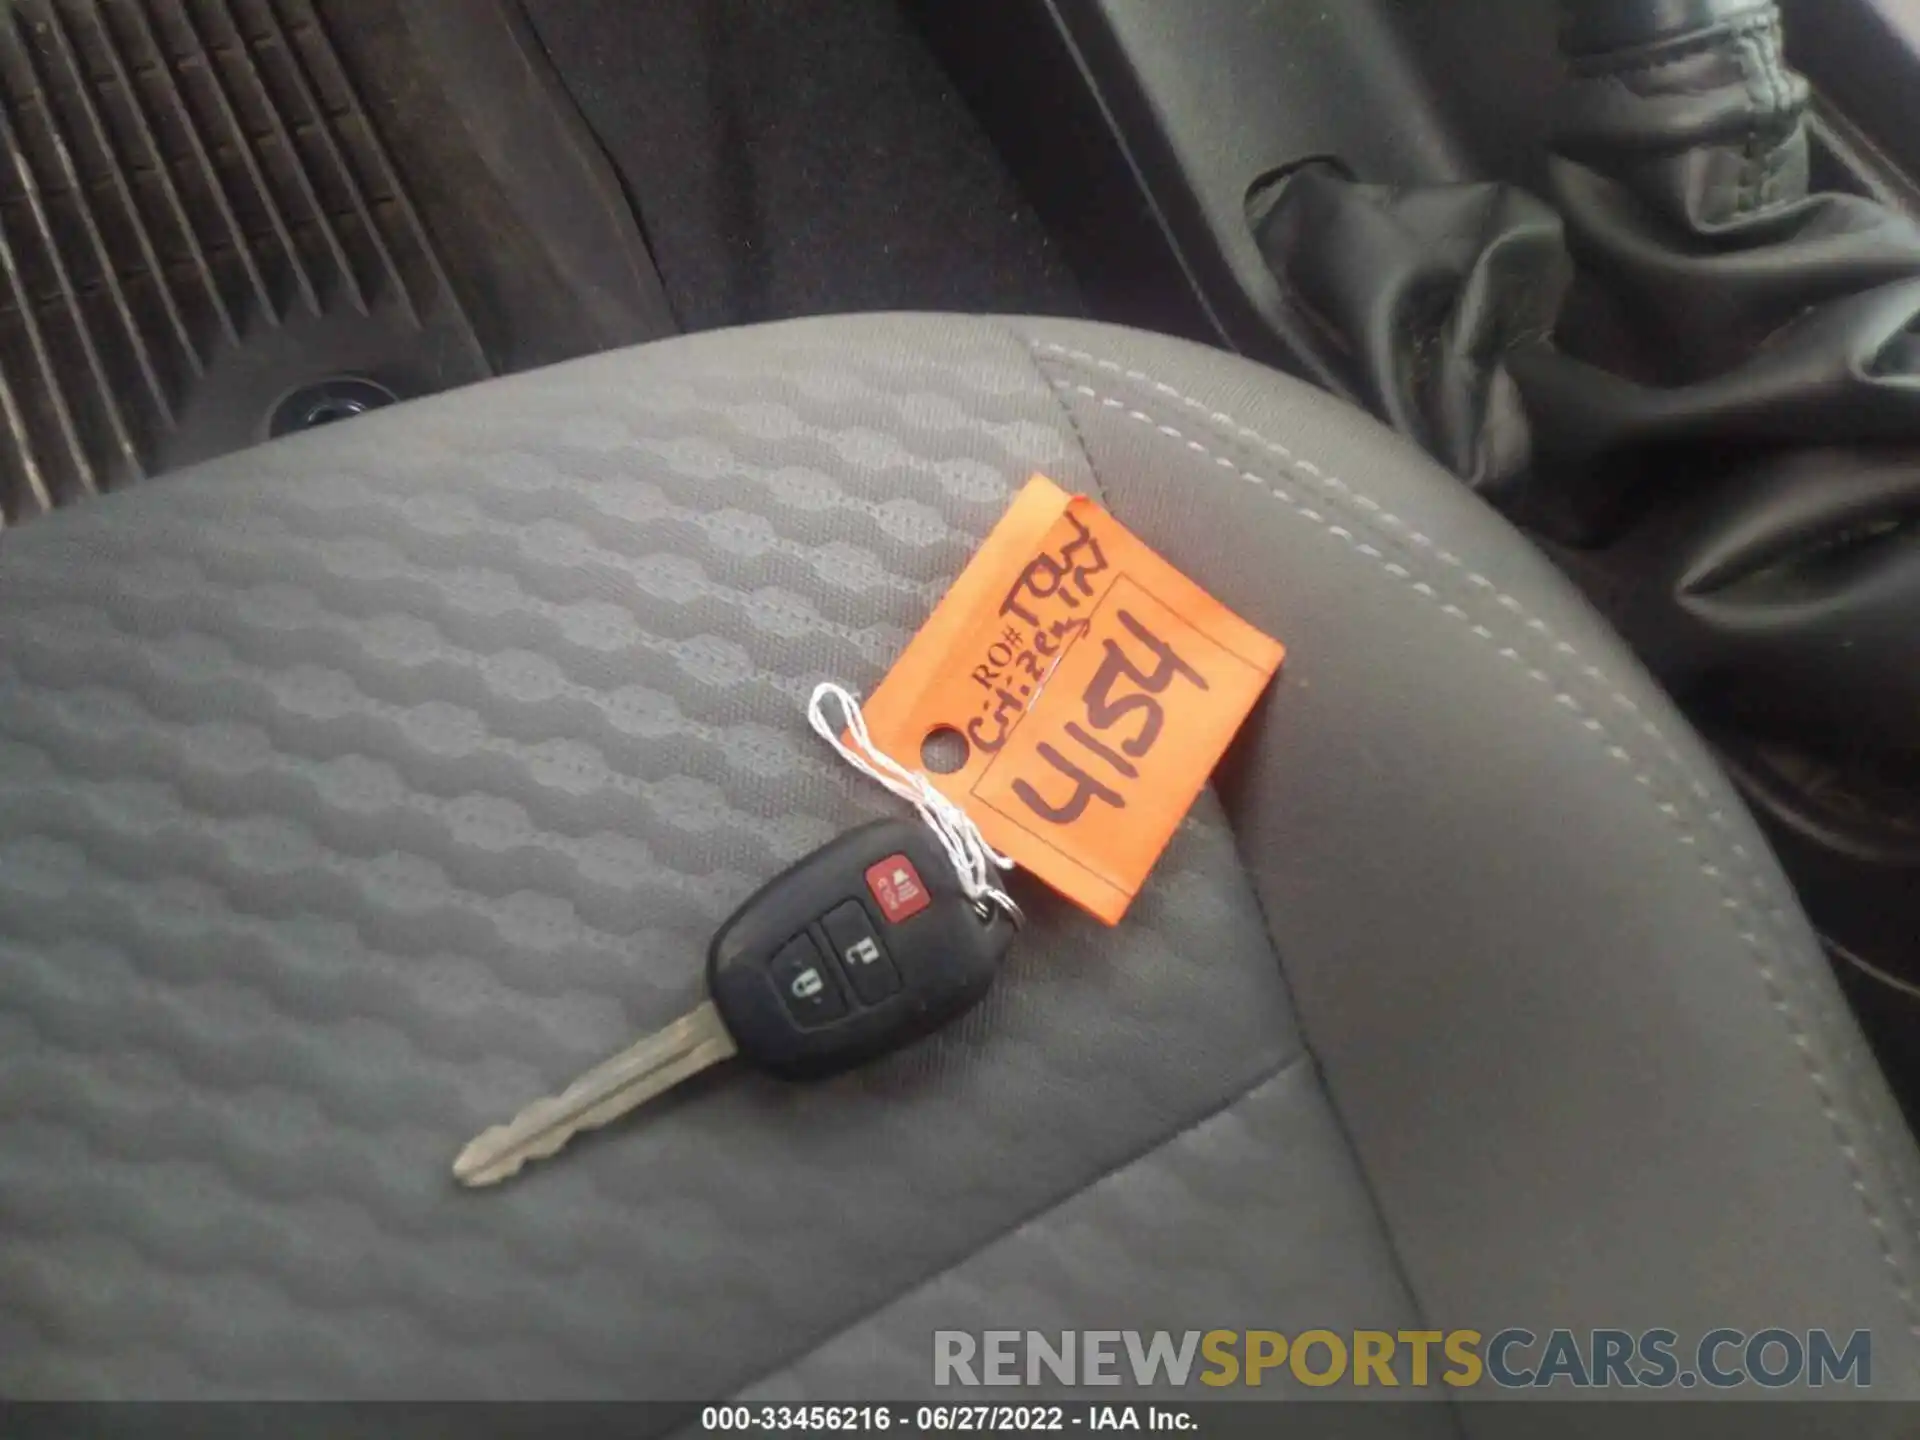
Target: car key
(861, 948)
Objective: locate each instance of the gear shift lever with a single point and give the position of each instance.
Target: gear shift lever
(1717, 425)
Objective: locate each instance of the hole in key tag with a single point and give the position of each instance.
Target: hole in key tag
(944, 751)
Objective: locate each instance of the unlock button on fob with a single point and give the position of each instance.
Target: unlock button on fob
(866, 962)
(806, 982)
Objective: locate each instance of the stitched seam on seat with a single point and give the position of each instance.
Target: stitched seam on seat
(1765, 957)
(1400, 1268)
(1213, 1112)
(1764, 960)
(1345, 494)
(1342, 493)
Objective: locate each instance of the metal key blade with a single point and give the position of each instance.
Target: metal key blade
(604, 1093)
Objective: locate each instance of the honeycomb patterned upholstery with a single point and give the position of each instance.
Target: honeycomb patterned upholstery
(357, 789)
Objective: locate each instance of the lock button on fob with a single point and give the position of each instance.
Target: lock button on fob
(806, 982)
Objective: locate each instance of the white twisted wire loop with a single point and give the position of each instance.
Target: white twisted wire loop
(975, 861)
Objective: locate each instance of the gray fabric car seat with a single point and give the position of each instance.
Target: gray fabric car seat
(359, 788)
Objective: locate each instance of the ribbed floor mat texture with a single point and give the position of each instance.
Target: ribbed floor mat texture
(196, 219)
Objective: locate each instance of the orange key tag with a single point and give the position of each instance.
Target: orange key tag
(1095, 685)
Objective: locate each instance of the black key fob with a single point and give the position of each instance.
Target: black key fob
(864, 946)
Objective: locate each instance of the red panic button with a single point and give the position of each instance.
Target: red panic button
(897, 886)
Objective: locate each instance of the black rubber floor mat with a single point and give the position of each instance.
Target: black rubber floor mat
(196, 218)
(213, 210)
